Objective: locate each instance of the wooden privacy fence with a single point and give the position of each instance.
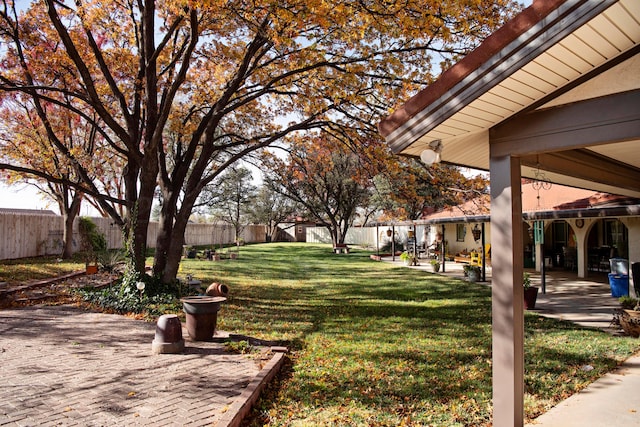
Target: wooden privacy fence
(371, 237)
(27, 235)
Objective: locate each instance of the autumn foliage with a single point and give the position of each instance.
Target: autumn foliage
(178, 91)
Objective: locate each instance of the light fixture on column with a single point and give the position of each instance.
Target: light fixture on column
(431, 155)
(476, 233)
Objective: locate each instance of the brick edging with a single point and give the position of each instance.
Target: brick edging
(243, 404)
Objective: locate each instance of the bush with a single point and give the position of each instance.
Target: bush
(111, 299)
(92, 238)
(628, 303)
(155, 299)
(110, 260)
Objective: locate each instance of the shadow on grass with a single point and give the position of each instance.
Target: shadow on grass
(374, 343)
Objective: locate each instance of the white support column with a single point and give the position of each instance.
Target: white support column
(539, 259)
(582, 258)
(507, 293)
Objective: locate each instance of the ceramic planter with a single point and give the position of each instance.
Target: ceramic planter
(91, 268)
(202, 316)
(530, 297)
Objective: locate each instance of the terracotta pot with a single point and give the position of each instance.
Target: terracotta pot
(217, 290)
(92, 269)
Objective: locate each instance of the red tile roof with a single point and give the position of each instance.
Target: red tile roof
(558, 197)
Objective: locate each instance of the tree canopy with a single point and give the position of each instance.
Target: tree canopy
(327, 179)
(407, 189)
(231, 196)
(178, 91)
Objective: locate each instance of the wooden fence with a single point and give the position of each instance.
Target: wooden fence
(27, 235)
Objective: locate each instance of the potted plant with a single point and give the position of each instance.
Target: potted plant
(530, 292)
(409, 259)
(191, 252)
(435, 265)
(472, 272)
(629, 316)
(92, 242)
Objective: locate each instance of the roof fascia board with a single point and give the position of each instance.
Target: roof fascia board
(549, 30)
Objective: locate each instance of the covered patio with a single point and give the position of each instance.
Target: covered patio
(555, 91)
(586, 302)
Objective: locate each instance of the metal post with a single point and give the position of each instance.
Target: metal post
(484, 256)
(543, 271)
(442, 252)
(393, 242)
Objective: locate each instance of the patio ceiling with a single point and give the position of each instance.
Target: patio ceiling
(564, 71)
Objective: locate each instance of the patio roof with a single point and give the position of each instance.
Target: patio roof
(558, 67)
(556, 202)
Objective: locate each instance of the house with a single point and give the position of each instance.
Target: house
(583, 229)
(554, 91)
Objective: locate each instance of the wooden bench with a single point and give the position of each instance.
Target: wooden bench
(341, 248)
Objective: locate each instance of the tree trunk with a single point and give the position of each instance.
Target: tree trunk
(67, 237)
(165, 231)
(174, 246)
(69, 214)
(141, 226)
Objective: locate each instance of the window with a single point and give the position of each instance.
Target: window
(616, 236)
(461, 231)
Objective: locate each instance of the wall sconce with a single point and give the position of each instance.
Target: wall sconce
(476, 233)
(432, 154)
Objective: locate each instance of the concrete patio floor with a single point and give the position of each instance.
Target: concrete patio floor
(587, 302)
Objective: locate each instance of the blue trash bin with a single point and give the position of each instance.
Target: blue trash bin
(619, 285)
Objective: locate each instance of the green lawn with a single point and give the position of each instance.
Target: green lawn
(374, 344)
(18, 271)
(378, 345)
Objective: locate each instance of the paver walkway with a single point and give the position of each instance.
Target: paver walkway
(63, 366)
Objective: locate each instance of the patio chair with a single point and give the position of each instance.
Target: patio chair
(635, 271)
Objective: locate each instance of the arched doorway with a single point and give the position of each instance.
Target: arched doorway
(608, 238)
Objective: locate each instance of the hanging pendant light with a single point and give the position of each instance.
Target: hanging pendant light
(476, 233)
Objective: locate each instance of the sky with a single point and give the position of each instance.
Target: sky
(22, 196)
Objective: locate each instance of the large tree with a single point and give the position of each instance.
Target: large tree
(271, 208)
(407, 189)
(326, 178)
(25, 143)
(183, 89)
(230, 197)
